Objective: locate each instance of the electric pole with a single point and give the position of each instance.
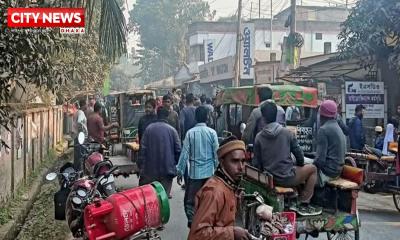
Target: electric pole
(251, 9)
(270, 27)
(259, 9)
(293, 17)
(238, 46)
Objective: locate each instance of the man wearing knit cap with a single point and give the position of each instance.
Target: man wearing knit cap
(216, 202)
(331, 144)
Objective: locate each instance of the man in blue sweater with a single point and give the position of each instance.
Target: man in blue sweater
(357, 133)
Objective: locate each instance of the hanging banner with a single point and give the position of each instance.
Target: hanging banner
(370, 94)
(247, 51)
(209, 49)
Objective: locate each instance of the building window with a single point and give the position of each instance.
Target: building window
(197, 53)
(272, 57)
(318, 36)
(327, 47)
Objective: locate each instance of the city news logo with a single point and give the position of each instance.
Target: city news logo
(69, 20)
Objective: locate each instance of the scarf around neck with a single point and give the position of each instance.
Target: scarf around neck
(223, 175)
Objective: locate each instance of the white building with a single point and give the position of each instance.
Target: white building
(212, 41)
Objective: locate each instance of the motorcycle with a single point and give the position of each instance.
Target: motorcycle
(76, 185)
(66, 177)
(82, 191)
(135, 213)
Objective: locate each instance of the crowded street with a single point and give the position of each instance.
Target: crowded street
(199, 119)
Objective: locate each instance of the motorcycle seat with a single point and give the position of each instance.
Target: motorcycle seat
(388, 158)
(283, 190)
(343, 184)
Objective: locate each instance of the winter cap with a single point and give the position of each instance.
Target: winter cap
(328, 109)
(229, 147)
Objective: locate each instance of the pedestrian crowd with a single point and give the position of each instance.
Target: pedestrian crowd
(177, 140)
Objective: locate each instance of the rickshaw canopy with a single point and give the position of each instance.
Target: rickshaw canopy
(283, 95)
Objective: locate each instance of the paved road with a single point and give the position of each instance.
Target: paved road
(379, 218)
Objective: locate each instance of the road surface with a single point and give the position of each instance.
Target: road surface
(379, 218)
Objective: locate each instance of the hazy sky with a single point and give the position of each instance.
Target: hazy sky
(229, 7)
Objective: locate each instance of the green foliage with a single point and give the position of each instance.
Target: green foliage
(58, 63)
(372, 31)
(113, 30)
(162, 25)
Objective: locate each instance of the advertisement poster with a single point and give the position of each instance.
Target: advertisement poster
(370, 94)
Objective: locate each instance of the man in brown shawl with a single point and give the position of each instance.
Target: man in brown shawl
(216, 202)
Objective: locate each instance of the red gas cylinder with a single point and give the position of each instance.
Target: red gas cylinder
(123, 214)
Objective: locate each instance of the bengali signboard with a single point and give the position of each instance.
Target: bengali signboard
(247, 51)
(305, 138)
(369, 94)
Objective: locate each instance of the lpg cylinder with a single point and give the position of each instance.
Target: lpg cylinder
(123, 214)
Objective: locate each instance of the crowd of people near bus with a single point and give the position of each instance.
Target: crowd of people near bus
(177, 141)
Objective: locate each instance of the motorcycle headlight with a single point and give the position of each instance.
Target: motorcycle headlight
(81, 193)
(76, 201)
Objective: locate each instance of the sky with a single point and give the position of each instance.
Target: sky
(250, 8)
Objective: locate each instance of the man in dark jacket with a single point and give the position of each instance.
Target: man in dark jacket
(356, 133)
(331, 144)
(149, 117)
(187, 117)
(272, 153)
(173, 118)
(159, 152)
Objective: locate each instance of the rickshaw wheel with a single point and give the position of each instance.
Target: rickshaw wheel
(396, 200)
(353, 235)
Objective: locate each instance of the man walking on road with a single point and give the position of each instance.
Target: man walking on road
(356, 132)
(199, 156)
(216, 202)
(187, 116)
(159, 152)
(149, 117)
(173, 118)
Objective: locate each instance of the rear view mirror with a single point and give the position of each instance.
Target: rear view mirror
(51, 176)
(81, 138)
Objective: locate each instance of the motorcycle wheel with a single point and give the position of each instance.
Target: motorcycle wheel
(353, 235)
(396, 200)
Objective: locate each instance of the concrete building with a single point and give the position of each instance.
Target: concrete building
(216, 41)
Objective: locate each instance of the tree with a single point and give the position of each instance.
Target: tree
(162, 25)
(56, 63)
(372, 32)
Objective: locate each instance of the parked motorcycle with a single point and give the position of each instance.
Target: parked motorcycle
(66, 177)
(135, 213)
(82, 191)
